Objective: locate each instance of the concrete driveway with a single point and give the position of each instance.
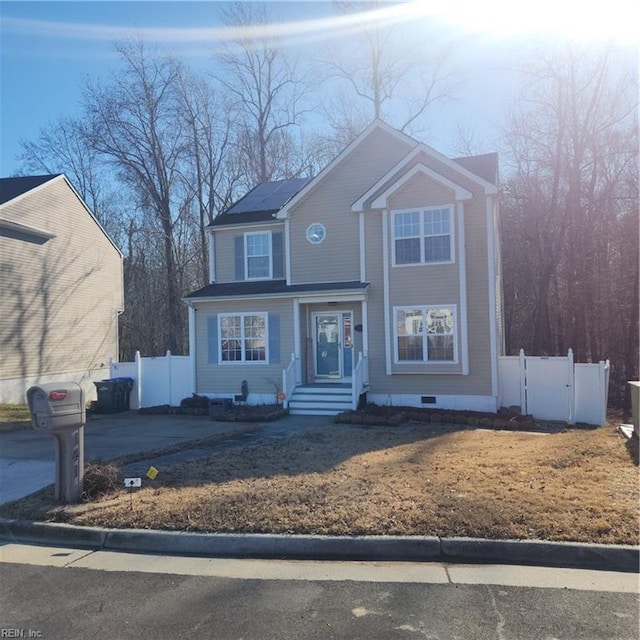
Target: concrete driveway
(27, 457)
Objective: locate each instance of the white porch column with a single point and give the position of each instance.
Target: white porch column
(363, 263)
(462, 273)
(365, 328)
(192, 346)
(212, 256)
(385, 282)
(287, 251)
(297, 348)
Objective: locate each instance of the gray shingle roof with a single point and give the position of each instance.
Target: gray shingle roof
(11, 188)
(272, 287)
(484, 166)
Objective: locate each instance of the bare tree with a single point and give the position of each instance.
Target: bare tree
(210, 176)
(63, 147)
(573, 144)
(267, 93)
(382, 74)
(133, 123)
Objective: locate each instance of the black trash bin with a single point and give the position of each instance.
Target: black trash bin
(124, 387)
(107, 396)
(113, 395)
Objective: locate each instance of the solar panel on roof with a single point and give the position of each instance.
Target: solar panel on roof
(269, 196)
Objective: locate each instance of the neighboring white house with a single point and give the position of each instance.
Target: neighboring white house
(381, 275)
(62, 288)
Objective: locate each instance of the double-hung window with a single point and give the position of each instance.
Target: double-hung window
(425, 334)
(257, 251)
(243, 337)
(423, 235)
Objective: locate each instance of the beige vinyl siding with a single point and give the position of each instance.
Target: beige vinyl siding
(426, 285)
(225, 254)
(60, 299)
(227, 378)
(337, 258)
(421, 191)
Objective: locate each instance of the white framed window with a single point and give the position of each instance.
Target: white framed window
(425, 334)
(423, 236)
(242, 337)
(316, 233)
(257, 255)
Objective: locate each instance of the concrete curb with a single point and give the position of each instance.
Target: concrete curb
(308, 547)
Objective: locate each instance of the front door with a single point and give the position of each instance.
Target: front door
(332, 344)
(328, 345)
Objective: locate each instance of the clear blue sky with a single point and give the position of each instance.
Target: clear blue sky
(49, 49)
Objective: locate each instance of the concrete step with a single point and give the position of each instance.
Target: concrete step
(321, 390)
(320, 400)
(314, 412)
(317, 397)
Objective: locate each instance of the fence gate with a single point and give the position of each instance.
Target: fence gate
(549, 387)
(554, 388)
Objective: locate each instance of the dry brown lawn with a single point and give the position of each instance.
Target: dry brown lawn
(409, 480)
(14, 417)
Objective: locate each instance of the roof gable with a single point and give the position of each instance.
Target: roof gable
(11, 188)
(462, 166)
(375, 126)
(460, 192)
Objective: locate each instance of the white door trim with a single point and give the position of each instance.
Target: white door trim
(314, 334)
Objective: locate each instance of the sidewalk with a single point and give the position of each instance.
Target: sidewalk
(309, 571)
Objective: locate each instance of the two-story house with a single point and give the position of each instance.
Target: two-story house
(380, 276)
(62, 288)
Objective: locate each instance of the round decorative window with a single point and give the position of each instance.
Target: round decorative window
(316, 233)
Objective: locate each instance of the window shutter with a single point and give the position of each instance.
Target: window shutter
(212, 330)
(277, 255)
(274, 338)
(239, 240)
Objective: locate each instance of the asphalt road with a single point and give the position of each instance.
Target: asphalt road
(314, 601)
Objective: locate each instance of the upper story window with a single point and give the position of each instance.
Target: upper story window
(258, 255)
(257, 252)
(316, 233)
(423, 235)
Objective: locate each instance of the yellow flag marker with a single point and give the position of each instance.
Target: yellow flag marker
(152, 473)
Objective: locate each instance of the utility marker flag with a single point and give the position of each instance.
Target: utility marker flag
(152, 473)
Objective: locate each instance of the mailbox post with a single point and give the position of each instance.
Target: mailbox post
(59, 410)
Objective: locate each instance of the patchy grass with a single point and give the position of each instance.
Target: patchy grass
(409, 480)
(14, 417)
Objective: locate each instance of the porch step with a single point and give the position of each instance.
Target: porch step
(320, 400)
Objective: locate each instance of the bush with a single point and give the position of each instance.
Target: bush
(100, 479)
(195, 402)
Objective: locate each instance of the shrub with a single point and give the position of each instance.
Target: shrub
(195, 402)
(100, 479)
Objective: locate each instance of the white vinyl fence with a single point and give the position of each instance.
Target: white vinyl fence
(555, 388)
(160, 380)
